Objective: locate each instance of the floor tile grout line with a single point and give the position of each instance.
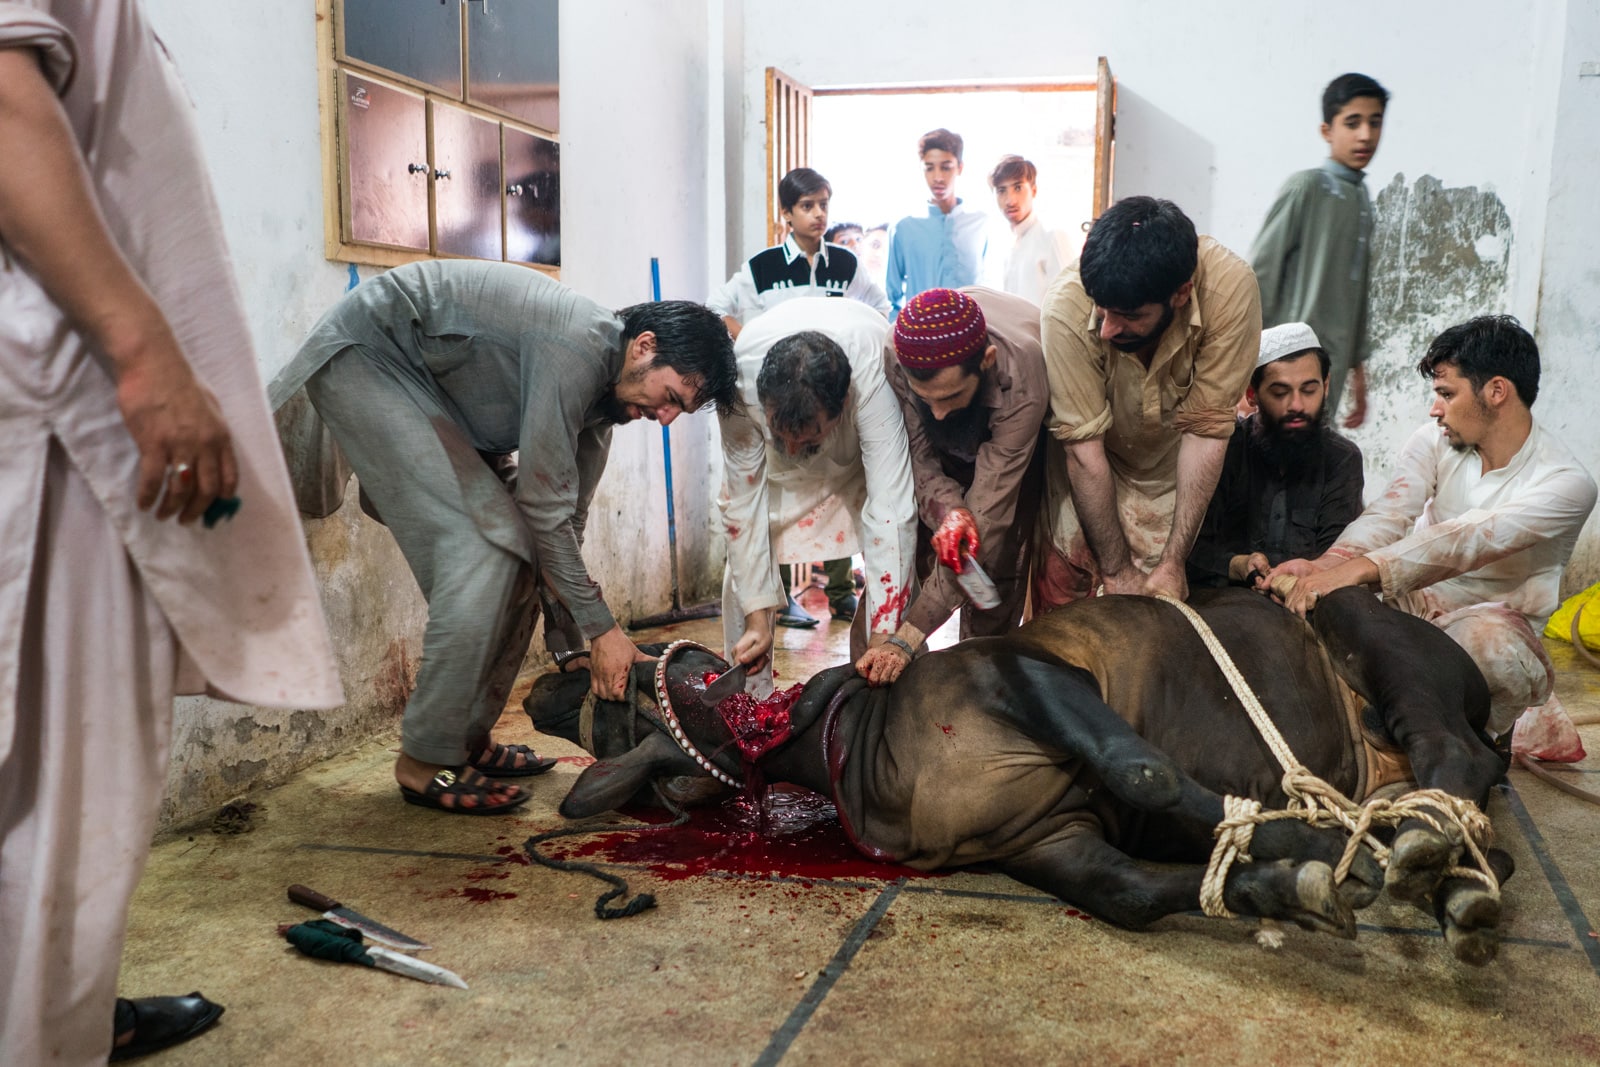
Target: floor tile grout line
(784, 1036)
(1581, 927)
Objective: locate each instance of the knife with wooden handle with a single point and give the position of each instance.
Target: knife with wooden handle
(336, 912)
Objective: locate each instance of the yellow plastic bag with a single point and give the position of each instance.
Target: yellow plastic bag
(1560, 624)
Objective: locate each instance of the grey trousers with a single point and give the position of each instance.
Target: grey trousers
(481, 603)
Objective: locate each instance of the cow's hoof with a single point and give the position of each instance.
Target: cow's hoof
(1417, 862)
(1321, 906)
(1469, 915)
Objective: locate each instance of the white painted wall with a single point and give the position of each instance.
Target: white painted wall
(1219, 103)
(635, 137)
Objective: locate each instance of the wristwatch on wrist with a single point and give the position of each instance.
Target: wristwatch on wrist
(898, 642)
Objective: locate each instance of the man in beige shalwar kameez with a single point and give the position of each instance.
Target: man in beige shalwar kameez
(129, 395)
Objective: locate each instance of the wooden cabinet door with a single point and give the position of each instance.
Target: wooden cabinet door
(533, 198)
(420, 40)
(513, 64)
(383, 171)
(466, 182)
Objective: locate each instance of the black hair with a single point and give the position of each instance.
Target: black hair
(1261, 371)
(802, 181)
(1012, 169)
(1139, 251)
(970, 365)
(1348, 87)
(839, 227)
(803, 375)
(1489, 346)
(692, 340)
(943, 140)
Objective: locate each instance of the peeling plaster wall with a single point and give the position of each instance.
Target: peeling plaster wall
(636, 174)
(1483, 184)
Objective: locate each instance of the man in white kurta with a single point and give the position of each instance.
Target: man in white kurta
(1478, 522)
(854, 494)
(126, 376)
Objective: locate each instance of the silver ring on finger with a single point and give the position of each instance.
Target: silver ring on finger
(183, 472)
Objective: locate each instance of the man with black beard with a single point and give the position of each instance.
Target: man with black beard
(429, 377)
(1149, 341)
(1289, 484)
(968, 369)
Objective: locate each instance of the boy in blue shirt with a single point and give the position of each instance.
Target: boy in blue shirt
(943, 249)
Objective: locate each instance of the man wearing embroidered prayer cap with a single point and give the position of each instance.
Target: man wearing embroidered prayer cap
(1290, 484)
(968, 369)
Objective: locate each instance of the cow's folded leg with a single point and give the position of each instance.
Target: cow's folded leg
(1086, 871)
(1468, 912)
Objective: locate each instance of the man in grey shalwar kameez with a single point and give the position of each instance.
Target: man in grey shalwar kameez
(431, 375)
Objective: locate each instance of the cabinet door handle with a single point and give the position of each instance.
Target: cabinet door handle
(416, 168)
(513, 190)
(441, 174)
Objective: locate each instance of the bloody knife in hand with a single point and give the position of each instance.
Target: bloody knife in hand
(336, 912)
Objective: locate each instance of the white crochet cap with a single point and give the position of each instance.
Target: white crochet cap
(1290, 339)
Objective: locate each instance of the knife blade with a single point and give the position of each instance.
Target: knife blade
(336, 912)
(725, 686)
(411, 967)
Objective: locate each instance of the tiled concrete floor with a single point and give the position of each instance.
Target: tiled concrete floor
(840, 964)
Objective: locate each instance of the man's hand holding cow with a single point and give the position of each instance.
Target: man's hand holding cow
(889, 655)
(1313, 582)
(611, 656)
(957, 536)
(755, 644)
(1168, 579)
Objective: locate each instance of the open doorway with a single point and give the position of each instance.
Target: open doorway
(863, 139)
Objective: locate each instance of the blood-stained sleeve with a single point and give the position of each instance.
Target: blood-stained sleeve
(1390, 517)
(1474, 539)
(557, 457)
(1228, 348)
(745, 515)
(887, 526)
(1074, 362)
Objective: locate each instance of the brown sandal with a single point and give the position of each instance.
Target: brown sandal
(500, 761)
(452, 783)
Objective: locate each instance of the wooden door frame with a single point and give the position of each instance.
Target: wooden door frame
(789, 129)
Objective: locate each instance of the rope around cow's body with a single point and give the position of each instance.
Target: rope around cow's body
(1314, 801)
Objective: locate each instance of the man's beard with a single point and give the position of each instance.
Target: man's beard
(1289, 447)
(1146, 340)
(614, 410)
(959, 433)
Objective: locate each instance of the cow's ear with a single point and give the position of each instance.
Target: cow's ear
(610, 783)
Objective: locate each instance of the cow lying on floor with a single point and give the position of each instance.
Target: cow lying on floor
(1087, 753)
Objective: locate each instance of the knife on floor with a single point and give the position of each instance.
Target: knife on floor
(336, 912)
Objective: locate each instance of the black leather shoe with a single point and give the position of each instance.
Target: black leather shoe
(844, 608)
(161, 1022)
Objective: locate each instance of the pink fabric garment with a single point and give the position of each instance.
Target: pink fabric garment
(79, 792)
(241, 597)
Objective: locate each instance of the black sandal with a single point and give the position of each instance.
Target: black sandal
(500, 761)
(451, 783)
